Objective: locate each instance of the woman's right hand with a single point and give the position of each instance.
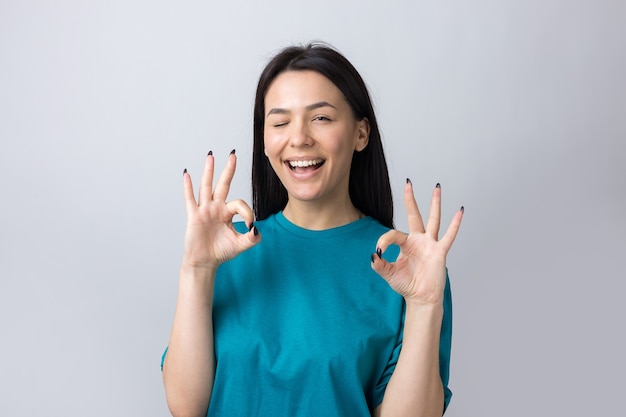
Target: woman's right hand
(210, 237)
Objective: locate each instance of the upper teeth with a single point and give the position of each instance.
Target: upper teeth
(305, 163)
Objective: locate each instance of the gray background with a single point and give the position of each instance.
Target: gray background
(517, 107)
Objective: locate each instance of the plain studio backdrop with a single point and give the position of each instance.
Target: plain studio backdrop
(518, 108)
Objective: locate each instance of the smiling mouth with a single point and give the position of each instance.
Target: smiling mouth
(310, 164)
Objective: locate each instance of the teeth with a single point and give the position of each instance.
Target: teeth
(304, 164)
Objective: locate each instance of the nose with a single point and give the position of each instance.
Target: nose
(299, 135)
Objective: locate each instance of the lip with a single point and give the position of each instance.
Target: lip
(303, 174)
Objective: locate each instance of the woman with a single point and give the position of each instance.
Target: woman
(283, 315)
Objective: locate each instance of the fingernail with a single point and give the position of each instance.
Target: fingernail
(184, 171)
(373, 258)
(210, 153)
(379, 252)
(438, 185)
(251, 226)
(408, 181)
(232, 152)
(255, 230)
(462, 209)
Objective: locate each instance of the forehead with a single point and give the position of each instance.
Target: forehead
(299, 88)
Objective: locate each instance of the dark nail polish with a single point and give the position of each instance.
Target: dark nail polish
(408, 181)
(232, 152)
(438, 185)
(250, 227)
(462, 209)
(379, 252)
(210, 153)
(184, 171)
(255, 230)
(373, 258)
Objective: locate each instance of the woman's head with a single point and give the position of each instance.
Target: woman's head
(369, 188)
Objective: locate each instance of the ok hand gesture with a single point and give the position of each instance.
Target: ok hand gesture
(210, 237)
(419, 272)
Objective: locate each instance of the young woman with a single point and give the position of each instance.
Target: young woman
(287, 315)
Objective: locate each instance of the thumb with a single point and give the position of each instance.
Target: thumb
(381, 266)
(250, 239)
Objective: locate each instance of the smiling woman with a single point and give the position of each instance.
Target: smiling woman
(310, 137)
(285, 313)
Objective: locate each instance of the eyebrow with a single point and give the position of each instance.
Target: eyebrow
(310, 107)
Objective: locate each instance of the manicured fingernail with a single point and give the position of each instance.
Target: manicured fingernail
(210, 153)
(379, 252)
(373, 258)
(408, 181)
(438, 185)
(251, 226)
(232, 152)
(184, 171)
(462, 209)
(255, 230)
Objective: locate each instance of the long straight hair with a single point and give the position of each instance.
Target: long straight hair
(369, 187)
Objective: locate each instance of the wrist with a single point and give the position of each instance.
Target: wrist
(423, 309)
(197, 278)
(198, 269)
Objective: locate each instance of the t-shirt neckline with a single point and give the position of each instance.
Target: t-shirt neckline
(333, 231)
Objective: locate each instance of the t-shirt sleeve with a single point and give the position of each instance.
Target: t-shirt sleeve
(163, 358)
(445, 344)
(379, 390)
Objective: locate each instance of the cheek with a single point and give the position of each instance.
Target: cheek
(342, 142)
(269, 145)
(272, 149)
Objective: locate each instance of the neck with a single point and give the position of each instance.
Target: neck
(320, 216)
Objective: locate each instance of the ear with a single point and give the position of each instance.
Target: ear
(363, 131)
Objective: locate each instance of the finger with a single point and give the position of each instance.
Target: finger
(416, 224)
(223, 184)
(241, 208)
(448, 239)
(434, 217)
(248, 240)
(190, 200)
(206, 184)
(392, 237)
(382, 267)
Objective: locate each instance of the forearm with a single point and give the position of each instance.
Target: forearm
(415, 388)
(189, 367)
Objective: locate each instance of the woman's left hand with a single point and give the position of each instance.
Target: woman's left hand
(419, 272)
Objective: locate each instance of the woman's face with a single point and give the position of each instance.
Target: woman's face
(310, 136)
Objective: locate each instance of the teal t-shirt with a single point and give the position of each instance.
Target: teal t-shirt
(304, 327)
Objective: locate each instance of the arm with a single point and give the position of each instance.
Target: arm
(210, 239)
(419, 275)
(189, 365)
(415, 388)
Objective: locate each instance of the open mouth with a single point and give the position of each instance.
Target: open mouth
(309, 165)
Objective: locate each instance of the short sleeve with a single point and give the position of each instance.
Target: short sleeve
(379, 389)
(445, 343)
(163, 358)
